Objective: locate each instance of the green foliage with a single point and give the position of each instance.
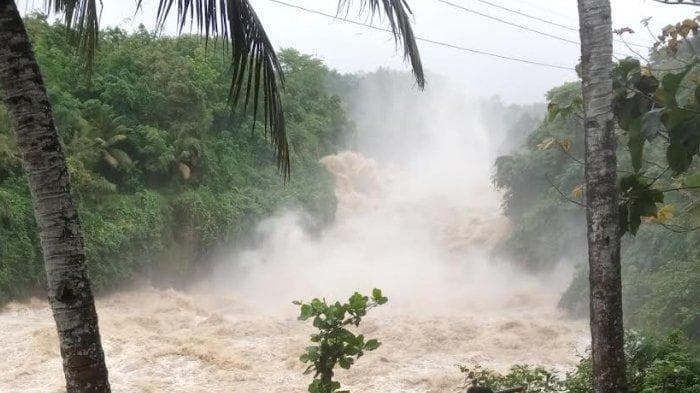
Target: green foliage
(162, 169)
(535, 207)
(646, 107)
(655, 114)
(637, 200)
(21, 265)
(334, 344)
(654, 365)
(533, 379)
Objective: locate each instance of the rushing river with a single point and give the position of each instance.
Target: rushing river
(424, 240)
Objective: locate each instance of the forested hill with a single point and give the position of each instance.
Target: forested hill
(162, 170)
(543, 186)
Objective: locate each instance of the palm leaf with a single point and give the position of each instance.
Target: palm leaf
(254, 63)
(82, 15)
(110, 159)
(121, 156)
(184, 170)
(116, 139)
(398, 14)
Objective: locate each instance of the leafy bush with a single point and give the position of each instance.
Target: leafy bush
(654, 365)
(531, 378)
(334, 344)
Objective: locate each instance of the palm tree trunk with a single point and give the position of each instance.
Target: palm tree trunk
(607, 332)
(69, 291)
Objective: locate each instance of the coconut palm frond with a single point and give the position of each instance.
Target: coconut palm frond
(84, 17)
(121, 156)
(110, 159)
(185, 171)
(116, 139)
(257, 74)
(398, 14)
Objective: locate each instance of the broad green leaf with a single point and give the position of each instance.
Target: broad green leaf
(306, 312)
(376, 294)
(677, 158)
(638, 200)
(684, 138)
(647, 84)
(371, 345)
(346, 362)
(671, 82)
(651, 124)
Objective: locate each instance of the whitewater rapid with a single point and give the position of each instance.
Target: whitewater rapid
(168, 341)
(425, 243)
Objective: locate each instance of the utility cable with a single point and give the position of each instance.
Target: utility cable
(556, 37)
(548, 21)
(427, 40)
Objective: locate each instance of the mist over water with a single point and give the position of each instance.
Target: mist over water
(416, 216)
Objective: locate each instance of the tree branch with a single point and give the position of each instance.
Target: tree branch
(695, 3)
(562, 193)
(570, 155)
(681, 188)
(678, 228)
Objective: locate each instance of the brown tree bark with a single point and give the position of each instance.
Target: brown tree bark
(607, 332)
(61, 238)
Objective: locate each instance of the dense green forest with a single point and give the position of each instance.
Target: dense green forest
(162, 169)
(542, 183)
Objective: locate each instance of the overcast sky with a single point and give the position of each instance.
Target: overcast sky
(348, 47)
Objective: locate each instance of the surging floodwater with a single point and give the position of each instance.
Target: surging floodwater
(449, 303)
(421, 229)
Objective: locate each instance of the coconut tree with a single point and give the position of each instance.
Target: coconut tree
(257, 79)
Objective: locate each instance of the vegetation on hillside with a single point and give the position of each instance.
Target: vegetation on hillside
(657, 120)
(162, 170)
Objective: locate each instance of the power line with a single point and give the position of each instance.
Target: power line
(427, 40)
(556, 37)
(537, 5)
(549, 22)
(465, 9)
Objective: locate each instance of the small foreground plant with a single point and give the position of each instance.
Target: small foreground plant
(334, 344)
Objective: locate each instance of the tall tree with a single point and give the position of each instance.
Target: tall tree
(55, 212)
(257, 76)
(607, 333)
